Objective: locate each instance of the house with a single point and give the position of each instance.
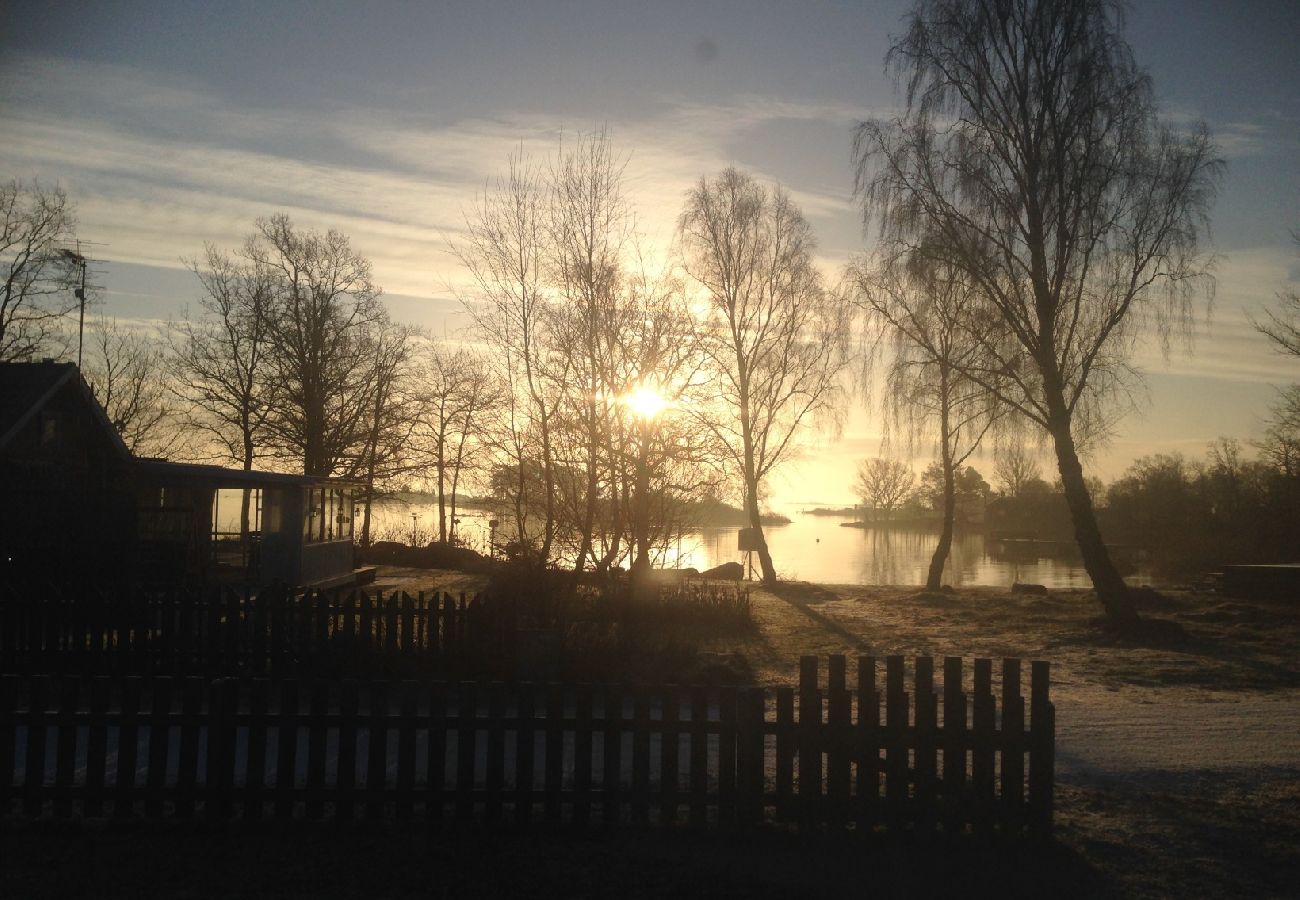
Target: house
(80, 504)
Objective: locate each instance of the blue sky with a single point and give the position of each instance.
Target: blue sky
(176, 123)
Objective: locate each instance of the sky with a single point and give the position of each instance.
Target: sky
(179, 123)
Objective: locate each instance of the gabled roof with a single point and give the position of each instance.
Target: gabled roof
(25, 389)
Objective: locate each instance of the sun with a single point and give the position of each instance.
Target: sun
(645, 402)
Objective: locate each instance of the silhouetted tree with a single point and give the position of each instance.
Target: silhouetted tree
(36, 222)
(126, 374)
(1015, 469)
(1283, 327)
(925, 312)
(1030, 145)
(883, 484)
(321, 380)
(218, 362)
(774, 337)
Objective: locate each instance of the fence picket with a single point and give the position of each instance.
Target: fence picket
(34, 776)
(1012, 747)
(867, 788)
(896, 749)
(406, 708)
(525, 746)
(377, 752)
(127, 735)
(699, 759)
(437, 753)
(466, 749)
(926, 746)
(954, 747)
(838, 732)
(96, 746)
(65, 745)
(496, 751)
(785, 744)
(810, 749)
(612, 753)
(286, 750)
(1042, 750)
(982, 738)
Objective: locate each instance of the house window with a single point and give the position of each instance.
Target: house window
(51, 428)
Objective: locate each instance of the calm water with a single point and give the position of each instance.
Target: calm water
(810, 548)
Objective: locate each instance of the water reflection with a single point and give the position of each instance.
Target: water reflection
(822, 548)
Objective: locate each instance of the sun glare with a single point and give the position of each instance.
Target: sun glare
(645, 402)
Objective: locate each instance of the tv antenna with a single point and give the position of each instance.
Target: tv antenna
(76, 258)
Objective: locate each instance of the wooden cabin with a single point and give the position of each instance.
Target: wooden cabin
(81, 505)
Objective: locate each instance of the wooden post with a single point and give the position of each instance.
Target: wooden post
(669, 706)
(192, 690)
(785, 744)
(525, 751)
(640, 756)
(1013, 748)
(726, 756)
(437, 752)
(925, 789)
(127, 735)
(896, 715)
(65, 745)
(466, 749)
(219, 773)
(750, 740)
(699, 760)
(496, 751)
(810, 748)
(554, 765)
(377, 752)
(407, 705)
(868, 782)
(838, 729)
(954, 747)
(96, 748)
(345, 785)
(1042, 750)
(286, 750)
(983, 741)
(612, 753)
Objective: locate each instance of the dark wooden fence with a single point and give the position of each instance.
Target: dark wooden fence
(862, 755)
(224, 631)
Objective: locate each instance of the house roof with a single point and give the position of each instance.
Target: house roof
(218, 476)
(25, 389)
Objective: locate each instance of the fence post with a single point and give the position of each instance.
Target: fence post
(838, 725)
(466, 749)
(124, 789)
(192, 691)
(612, 755)
(785, 743)
(318, 705)
(219, 780)
(640, 756)
(669, 711)
(699, 760)
(983, 741)
(496, 749)
(1042, 750)
(96, 746)
(377, 752)
(1013, 748)
(954, 746)
(286, 743)
(406, 706)
(750, 715)
(437, 752)
(525, 751)
(259, 703)
(65, 744)
(924, 754)
(868, 756)
(810, 750)
(896, 714)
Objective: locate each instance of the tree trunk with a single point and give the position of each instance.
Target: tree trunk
(934, 580)
(1106, 580)
(442, 498)
(760, 540)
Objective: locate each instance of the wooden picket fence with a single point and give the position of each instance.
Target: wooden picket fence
(419, 751)
(225, 631)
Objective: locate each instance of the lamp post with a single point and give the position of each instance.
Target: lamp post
(414, 516)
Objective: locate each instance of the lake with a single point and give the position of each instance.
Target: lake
(810, 548)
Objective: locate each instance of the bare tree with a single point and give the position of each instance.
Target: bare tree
(505, 253)
(324, 308)
(883, 484)
(589, 225)
(1030, 145)
(218, 362)
(926, 313)
(392, 411)
(1283, 327)
(38, 280)
(1014, 468)
(457, 395)
(776, 340)
(125, 374)
(1280, 446)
